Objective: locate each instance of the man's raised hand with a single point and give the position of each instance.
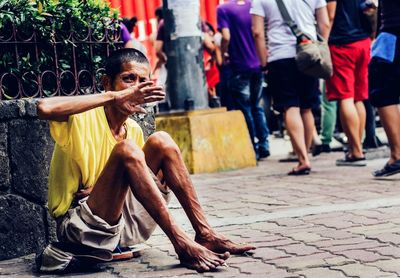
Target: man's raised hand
(128, 101)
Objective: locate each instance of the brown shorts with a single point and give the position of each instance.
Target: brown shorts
(80, 226)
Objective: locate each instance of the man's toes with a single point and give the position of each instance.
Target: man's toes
(212, 264)
(219, 261)
(203, 267)
(240, 249)
(224, 256)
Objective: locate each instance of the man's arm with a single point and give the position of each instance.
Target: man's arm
(226, 37)
(60, 108)
(126, 101)
(259, 38)
(323, 22)
(158, 46)
(331, 6)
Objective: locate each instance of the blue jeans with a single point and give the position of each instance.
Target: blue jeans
(246, 89)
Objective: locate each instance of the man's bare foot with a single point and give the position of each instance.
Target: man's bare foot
(194, 256)
(219, 243)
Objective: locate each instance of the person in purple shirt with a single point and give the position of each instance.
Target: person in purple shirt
(245, 82)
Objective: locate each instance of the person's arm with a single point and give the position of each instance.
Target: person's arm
(226, 37)
(218, 56)
(324, 27)
(158, 46)
(208, 43)
(259, 38)
(126, 101)
(331, 6)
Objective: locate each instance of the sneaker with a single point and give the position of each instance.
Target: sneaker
(263, 153)
(388, 170)
(322, 148)
(124, 253)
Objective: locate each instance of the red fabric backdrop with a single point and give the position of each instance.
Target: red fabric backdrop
(147, 24)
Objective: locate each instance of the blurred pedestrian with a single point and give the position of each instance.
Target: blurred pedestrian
(384, 76)
(245, 83)
(350, 43)
(132, 42)
(211, 57)
(293, 93)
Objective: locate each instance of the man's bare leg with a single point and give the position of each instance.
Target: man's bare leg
(127, 167)
(309, 126)
(362, 116)
(163, 154)
(390, 118)
(295, 128)
(351, 125)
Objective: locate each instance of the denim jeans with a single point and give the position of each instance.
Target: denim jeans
(246, 89)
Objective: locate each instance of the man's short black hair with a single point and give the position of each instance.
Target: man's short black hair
(118, 57)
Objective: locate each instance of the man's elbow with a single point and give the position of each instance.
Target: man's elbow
(257, 35)
(43, 110)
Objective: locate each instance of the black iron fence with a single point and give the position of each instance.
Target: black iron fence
(66, 64)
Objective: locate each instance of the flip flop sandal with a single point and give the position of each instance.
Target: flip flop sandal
(302, 172)
(351, 161)
(388, 170)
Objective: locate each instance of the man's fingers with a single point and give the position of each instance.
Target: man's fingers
(156, 93)
(139, 109)
(153, 98)
(153, 88)
(145, 84)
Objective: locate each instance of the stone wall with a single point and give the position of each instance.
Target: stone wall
(25, 152)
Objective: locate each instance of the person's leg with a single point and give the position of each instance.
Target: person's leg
(390, 118)
(239, 85)
(295, 128)
(345, 86)
(127, 167)
(328, 119)
(370, 140)
(362, 118)
(259, 119)
(309, 126)
(361, 83)
(225, 94)
(309, 98)
(351, 125)
(163, 154)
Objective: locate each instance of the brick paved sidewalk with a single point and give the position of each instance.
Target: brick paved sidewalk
(337, 222)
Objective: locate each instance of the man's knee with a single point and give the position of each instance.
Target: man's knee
(127, 150)
(162, 141)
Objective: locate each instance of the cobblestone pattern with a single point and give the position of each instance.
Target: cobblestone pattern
(25, 152)
(354, 230)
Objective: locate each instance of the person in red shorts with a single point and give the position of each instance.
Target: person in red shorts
(350, 45)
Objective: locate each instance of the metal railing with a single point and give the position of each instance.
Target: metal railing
(69, 65)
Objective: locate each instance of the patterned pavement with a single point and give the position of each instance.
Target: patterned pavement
(337, 222)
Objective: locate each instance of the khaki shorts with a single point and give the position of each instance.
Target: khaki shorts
(80, 226)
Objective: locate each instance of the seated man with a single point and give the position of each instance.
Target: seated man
(102, 190)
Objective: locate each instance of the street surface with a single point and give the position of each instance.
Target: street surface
(337, 222)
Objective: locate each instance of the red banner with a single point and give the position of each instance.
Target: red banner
(147, 23)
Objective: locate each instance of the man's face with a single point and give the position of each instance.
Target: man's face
(132, 73)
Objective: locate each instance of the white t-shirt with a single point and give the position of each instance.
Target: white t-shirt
(281, 41)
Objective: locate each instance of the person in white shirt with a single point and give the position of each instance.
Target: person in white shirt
(293, 93)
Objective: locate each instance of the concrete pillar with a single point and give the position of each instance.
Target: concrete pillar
(186, 83)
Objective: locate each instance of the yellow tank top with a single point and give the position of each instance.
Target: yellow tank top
(82, 148)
